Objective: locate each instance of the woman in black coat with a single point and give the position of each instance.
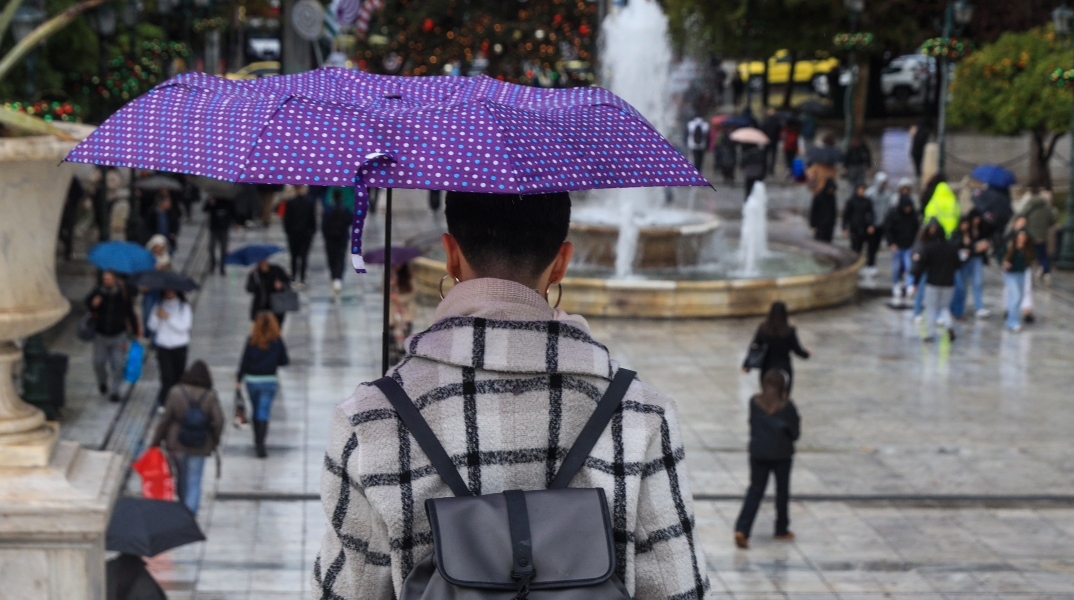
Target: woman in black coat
(781, 339)
(774, 427)
(823, 213)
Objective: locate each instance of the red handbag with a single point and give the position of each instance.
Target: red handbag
(156, 474)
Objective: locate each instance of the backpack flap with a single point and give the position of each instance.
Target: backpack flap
(569, 529)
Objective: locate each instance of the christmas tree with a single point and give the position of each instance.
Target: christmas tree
(541, 42)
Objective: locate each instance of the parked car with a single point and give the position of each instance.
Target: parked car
(256, 70)
(907, 77)
(806, 70)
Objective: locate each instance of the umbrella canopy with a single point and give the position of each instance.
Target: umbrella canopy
(164, 280)
(251, 255)
(156, 182)
(217, 188)
(735, 121)
(399, 255)
(814, 107)
(121, 257)
(341, 127)
(994, 175)
(148, 527)
(749, 135)
(825, 155)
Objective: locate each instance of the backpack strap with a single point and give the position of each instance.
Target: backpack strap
(596, 425)
(412, 419)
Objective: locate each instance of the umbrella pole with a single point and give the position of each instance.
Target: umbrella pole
(387, 280)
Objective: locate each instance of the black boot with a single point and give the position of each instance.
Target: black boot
(260, 428)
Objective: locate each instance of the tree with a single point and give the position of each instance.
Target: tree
(509, 39)
(1004, 88)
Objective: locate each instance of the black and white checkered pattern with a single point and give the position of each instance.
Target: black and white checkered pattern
(507, 400)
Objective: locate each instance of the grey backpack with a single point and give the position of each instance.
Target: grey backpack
(541, 545)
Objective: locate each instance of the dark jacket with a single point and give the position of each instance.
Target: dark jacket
(262, 361)
(995, 207)
(336, 223)
(822, 212)
(753, 161)
(858, 156)
(858, 215)
(115, 315)
(726, 153)
(300, 217)
(127, 578)
(771, 126)
(779, 349)
(165, 223)
(939, 260)
(772, 437)
(900, 226)
(263, 285)
(180, 398)
(221, 214)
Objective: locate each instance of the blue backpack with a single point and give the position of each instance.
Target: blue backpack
(194, 428)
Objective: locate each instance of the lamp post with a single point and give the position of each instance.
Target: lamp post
(26, 19)
(1063, 18)
(854, 9)
(958, 15)
(104, 21)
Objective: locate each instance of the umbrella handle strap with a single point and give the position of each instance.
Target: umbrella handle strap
(362, 178)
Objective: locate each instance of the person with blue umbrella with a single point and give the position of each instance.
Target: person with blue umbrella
(111, 309)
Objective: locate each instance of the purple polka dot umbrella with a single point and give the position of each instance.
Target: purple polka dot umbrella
(333, 127)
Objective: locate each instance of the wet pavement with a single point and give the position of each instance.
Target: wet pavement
(924, 471)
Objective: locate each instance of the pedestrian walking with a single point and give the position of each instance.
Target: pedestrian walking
(822, 163)
(263, 281)
(158, 247)
(881, 197)
(938, 260)
(508, 253)
(919, 138)
(75, 196)
(776, 340)
(726, 157)
(164, 219)
(754, 168)
(1017, 261)
(697, 140)
(790, 145)
(300, 225)
(900, 228)
(942, 205)
(973, 246)
(772, 126)
(823, 213)
(262, 356)
(858, 161)
(171, 321)
(1040, 216)
(738, 87)
(111, 308)
(336, 229)
(221, 213)
(774, 427)
(190, 430)
(858, 219)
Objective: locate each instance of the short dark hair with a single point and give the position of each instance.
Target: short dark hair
(508, 234)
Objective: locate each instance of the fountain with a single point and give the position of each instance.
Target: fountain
(636, 257)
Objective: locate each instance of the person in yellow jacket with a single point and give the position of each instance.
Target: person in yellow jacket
(943, 206)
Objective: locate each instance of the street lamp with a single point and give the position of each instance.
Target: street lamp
(26, 19)
(958, 14)
(132, 11)
(1063, 19)
(854, 9)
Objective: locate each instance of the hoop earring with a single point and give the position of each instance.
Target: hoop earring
(441, 286)
(559, 298)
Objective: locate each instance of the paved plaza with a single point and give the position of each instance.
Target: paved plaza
(924, 471)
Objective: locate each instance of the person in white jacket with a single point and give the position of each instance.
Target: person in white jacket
(171, 321)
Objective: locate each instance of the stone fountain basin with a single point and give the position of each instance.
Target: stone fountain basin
(684, 299)
(659, 246)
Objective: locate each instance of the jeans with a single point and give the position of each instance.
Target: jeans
(261, 395)
(172, 363)
(919, 297)
(759, 470)
(1042, 256)
(109, 360)
(188, 479)
(970, 274)
(937, 307)
(901, 261)
(218, 238)
(1013, 290)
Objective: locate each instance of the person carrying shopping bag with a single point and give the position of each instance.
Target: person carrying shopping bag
(264, 353)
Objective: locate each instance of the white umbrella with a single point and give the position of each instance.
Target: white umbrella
(749, 135)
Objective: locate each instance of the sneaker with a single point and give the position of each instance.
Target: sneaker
(786, 537)
(102, 388)
(337, 285)
(918, 319)
(1029, 318)
(741, 540)
(983, 313)
(1015, 329)
(113, 398)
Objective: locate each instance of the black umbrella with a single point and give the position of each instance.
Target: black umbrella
(218, 188)
(157, 182)
(825, 155)
(148, 527)
(165, 280)
(814, 107)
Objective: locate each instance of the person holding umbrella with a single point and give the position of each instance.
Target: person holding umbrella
(300, 224)
(190, 430)
(265, 280)
(262, 356)
(144, 527)
(171, 321)
(336, 229)
(823, 213)
(112, 311)
(726, 156)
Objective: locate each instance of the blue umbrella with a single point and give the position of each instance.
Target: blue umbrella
(121, 257)
(251, 255)
(994, 175)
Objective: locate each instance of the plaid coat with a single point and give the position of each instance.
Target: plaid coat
(506, 384)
